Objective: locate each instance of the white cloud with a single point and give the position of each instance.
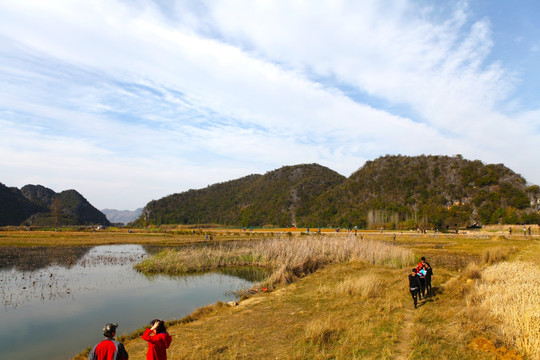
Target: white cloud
(127, 102)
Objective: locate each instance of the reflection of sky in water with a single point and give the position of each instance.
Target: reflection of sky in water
(62, 310)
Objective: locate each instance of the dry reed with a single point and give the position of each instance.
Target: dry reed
(493, 255)
(472, 271)
(289, 258)
(511, 292)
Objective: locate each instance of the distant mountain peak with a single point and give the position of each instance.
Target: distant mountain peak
(122, 216)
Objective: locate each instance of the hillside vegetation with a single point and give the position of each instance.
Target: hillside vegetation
(36, 205)
(255, 200)
(394, 192)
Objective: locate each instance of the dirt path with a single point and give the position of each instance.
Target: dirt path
(405, 336)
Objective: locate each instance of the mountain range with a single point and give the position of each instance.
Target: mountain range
(396, 192)
(393, 191)
(122, 216)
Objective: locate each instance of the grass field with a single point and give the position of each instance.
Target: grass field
(341, 303)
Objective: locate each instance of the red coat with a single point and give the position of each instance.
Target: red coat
(157, 345)
(108, 349)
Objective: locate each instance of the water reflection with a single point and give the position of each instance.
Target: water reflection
(248, 273)
(37, 257)
(59, 304)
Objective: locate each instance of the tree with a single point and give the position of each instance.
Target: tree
(57, 207)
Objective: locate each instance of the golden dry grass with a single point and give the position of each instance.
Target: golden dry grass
(510, 291)
(493, 255)
(304, 320)
(444, 324)
(322, 332)
(363, 287)
(72, 237)
(472, 271)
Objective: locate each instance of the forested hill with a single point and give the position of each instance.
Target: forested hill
(36, 205)
(396, 192)
(274, 198)
(433, 191)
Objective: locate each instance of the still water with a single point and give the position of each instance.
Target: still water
(55, 301)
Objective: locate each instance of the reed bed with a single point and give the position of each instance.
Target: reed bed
(511, 292)
(494, 255)
(289, 258)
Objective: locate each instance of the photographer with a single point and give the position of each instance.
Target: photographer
(158, 340)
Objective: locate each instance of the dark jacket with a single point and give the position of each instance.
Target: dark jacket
(429, 270)
(414, 281)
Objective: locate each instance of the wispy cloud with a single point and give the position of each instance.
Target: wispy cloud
(129, 101)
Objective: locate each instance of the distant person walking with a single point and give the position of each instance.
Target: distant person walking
(421, 272)
(414, 286)
(158, 340)
(109, 349)
(428, 276)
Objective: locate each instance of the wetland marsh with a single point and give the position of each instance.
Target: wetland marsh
(55, 300)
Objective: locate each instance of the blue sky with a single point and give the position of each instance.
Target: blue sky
(129, 101)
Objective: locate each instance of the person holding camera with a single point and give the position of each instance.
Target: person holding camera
(158, 340)
(109, 349)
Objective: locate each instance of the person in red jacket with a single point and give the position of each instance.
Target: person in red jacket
(109, 349)
(158, 340)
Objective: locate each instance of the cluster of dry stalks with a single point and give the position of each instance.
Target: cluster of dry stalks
(363, 287)
(511, 292)
(494, 255)
(289, 258)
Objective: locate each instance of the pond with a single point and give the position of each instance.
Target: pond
(55, 301)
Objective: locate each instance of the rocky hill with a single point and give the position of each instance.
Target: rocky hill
(397, 192)
(431, 191)
(14, 207)
(36, 205)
